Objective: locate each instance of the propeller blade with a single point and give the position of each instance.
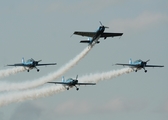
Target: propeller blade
(39, 60)
(106, 27)
(148, 60)
(76, 77)
(100, 23)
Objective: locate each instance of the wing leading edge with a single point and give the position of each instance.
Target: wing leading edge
(64, 83)
(19, 64)
(111, 34)
(154, 66)
(46, 64)
(59, 83)
(131, 65)
(92, 34)
(86, 84)
(88, 34)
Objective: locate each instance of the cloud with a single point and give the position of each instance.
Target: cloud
(73, 107)
(123, 105)
(141, 22)
(78, 107)
(27, 111)
(36, 110)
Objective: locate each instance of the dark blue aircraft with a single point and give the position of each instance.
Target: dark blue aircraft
(94, 36)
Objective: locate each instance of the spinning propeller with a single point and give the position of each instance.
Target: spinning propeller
(146, 61)
(103, 25)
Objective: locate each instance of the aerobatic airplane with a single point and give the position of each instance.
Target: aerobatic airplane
(139, 64)
(69, 83)
(94, 36)
(30, 64)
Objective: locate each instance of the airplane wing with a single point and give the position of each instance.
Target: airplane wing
(111, 34)
(86, 84)
(19, 64)
(46, 64)
(59, 83)
(88, 34)
(131, 65)
(154, 66)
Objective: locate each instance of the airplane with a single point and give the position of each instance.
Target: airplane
(94, 36)
(139, 64)
(69, 83)
(31, 63)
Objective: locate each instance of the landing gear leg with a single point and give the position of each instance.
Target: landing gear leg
(77, 88)
(145, 70)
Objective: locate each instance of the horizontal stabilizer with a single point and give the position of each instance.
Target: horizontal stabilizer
(85, 41)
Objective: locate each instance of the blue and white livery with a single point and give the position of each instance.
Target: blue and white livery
(139, 64)
(69, 83)
(30, 64)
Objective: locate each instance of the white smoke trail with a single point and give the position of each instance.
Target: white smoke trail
(48, 91)
(4, 86)
(11, 71)
(29, 94)
(105, 75)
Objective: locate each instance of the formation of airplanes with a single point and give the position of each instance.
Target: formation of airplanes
(139, 64)
(69, 83)
(93, 39)
(31, 63)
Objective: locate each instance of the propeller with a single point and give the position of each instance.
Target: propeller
(76, 77)
(39, 60)
(146, 61)
(103, 25)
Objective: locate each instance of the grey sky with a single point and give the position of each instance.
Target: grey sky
(42, 30)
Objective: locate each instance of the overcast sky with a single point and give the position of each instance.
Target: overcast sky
(42, 29)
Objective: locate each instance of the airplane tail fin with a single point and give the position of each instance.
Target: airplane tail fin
(63, 79)
(23, 61)
(130, 61)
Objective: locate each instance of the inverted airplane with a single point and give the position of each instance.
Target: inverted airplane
(69, 83)
(139, 64)
(94, 36)
(31, 63)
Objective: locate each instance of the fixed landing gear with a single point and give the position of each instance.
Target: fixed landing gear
(67, 88)
(135, 70)
(38, 70)
(77, 88)
(145, 70)
(28, 70)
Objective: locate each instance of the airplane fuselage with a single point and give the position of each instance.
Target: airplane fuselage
(30, 64)
(99, 32)
(71, 82)
(139, 63)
